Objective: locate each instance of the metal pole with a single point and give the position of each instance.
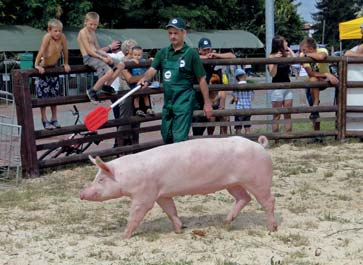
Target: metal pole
(322, 36)
(270, 32)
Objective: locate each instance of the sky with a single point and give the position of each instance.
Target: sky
(306, 8)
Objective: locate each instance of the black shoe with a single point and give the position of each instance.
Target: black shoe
(92, 95)
(314, 116)
(109, 90)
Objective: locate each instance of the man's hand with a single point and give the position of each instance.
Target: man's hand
(143, 82)
(208, 109)
(115, 45)
(332, 79)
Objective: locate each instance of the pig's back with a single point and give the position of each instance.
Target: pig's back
(202, 165)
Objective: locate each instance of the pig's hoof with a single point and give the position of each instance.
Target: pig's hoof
(228, 221)
(126, 236)
(272, 228)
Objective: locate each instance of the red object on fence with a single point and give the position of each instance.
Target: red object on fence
(96, 118)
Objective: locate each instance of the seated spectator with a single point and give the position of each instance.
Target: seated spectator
(317, 71)
(137, 57)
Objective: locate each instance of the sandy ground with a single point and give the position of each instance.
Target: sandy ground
(318, 190)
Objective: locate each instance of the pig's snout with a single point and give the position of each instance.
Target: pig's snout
(87, 194)
(82, 196)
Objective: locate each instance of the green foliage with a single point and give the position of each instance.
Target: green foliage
(200, 15)
(331, 13)
(285, 16)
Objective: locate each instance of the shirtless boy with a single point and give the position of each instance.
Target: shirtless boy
(95, 57)
(53, 44)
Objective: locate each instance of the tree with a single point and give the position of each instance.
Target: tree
(285, 16)
(200, 15)
(329, 15)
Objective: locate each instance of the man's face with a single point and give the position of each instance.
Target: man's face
(205, 51)
(306, 49)
(176, 36)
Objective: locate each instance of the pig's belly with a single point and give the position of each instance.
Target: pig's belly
(199, 187)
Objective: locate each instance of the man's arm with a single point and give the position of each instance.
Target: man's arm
(205, 92)
(319, 56)
(131, 79)
(148, 75)
(115, 44)
(226, 55)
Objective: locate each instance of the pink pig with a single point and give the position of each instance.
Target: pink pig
(198, 166)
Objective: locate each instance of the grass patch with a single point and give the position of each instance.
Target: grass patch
(225, 262)
(329, 217)
(297, 209)
(296, 240)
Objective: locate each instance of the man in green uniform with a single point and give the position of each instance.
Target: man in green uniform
(180, 66)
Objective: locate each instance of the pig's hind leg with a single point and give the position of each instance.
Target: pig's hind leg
(168, 206)
(242, 199)
(267, 201)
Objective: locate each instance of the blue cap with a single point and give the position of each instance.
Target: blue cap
(177, 23)
(239, 72)
(204, 43)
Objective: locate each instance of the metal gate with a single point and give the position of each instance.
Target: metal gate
(10, 137)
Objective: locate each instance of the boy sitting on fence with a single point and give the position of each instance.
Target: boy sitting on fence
(137, 57)
(53, 44)
(96, 58)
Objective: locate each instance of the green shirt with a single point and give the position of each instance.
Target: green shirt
(190, 66)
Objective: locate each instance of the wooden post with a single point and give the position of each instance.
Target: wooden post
(24, 112)
(342, 100)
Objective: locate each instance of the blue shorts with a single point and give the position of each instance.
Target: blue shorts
(242, 118)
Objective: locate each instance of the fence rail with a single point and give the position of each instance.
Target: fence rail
(33, 140)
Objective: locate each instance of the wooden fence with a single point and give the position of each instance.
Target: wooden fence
(30, 146)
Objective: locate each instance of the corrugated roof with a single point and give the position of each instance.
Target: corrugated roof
(25, 38)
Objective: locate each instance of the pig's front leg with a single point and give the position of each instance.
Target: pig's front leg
(137, 213)
(168, 205)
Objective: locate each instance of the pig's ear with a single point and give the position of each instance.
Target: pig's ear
(102, 165)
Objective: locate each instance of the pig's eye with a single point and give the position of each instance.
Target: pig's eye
(100, 180)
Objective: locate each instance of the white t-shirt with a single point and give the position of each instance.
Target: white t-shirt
(117, 57)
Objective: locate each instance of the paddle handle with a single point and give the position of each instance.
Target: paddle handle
(125, 96)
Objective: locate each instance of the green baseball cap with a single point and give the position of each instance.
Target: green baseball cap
(177, 23)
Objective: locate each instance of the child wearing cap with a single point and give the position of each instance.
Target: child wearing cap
(243, 100)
